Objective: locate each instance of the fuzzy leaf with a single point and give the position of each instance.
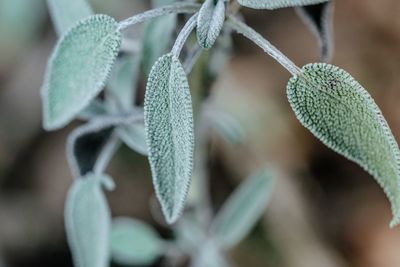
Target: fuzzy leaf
(133, 242)
(87, 222)
(168, 120)
(134, 136)
(341, 113)
(209, 22)
(243, 208)
(274, 4)
(65, 13)
(78, 69)
(319, 19)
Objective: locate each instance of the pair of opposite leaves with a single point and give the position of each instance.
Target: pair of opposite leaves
(325, 99)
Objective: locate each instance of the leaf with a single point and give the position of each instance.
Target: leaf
(319, 19)
(210, 255)
(133, 242)
(65, 13)
(134, 136)
(209, 22)
(341, 113)
(168, 120)
(87, 222)
(242, 209)
(78, 69)
(226, 125)
(274, 4)
(94, 109)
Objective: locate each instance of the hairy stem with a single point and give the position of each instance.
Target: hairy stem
(184, 34)
(264, 44)
(153, 13)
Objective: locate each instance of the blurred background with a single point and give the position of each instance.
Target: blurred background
(325, 211)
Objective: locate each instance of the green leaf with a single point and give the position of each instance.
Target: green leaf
(87, 222)
(274, 4)
(133, 242)
(168, 118)
(209, 22)
(134, 136)
(243, 209)
(341, 113)
(226, 125)
(65, 13)
(78, 69)
(319, 19)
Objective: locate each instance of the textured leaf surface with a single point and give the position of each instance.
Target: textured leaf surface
(274, 4)
(243, 208)
(319, 19)
(209, 22)
(87, 222)
(65, 13)
(133, 242)
(134, 136)
(339, 112)
(169, 129)
(78, 69)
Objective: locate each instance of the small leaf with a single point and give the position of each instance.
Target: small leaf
(319, 19)
(242, 209)
(226, 125)
(133, 242)
(134, 136)
(94, 109)
(274, 4)
(168, 120)
(209, 22)
(341, 113)
(78, 69)
(65, 13)
(87, 222)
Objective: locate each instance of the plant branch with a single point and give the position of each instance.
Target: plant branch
(184, 34)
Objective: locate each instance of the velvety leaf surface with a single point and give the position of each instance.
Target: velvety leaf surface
(168, 120)
(209, 22)
(274, 4)
(133, 242)
(87, 222)
(65, 13)
(78, 69)
(341, 113)
(243, 209)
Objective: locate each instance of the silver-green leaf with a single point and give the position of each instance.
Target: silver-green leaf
(88, 222)
(134, 136)
(65, 13)
(133, 242)
(168, 118)
(78, 69)
(274, 4)
(243, 209)
(209, 22)
(340, 112)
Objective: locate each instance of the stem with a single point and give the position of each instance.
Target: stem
(271, 50)
(175, 8)
(106, 154)
(192, 58)
(184, 34)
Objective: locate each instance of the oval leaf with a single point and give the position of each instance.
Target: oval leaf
(134, 136)
(78, 69)
(168, 120)
(87, 222)
(242, 209)
(133, 242)
(274, 4)
(209, 22)
(65, 13)
(339, 112)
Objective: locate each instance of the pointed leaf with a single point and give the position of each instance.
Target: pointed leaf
(87, 222)
(134, 136)
(169, 129)
(209, 22)
(65, 13)
(133, 242)
(319, 19)
(274, 4)
(243, 209)
(78, 69)
(341, 113)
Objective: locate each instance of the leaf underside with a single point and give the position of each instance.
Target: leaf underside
(209, 22)
(274, 4)
(341, 113)
(169, 130)
(78, 69)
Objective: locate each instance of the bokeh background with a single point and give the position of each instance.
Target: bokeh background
(325, 210)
